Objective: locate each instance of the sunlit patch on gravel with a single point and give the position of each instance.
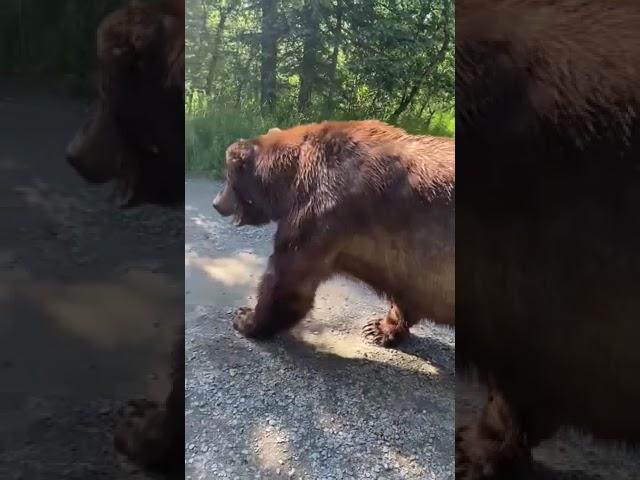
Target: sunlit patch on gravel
(353, 346)
(271, 446)
(230, 271)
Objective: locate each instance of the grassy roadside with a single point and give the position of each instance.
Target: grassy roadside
(208, 135)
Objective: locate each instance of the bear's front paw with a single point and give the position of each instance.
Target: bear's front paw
(244, 322)
(385, 333)
(142, 435)
(479, 457)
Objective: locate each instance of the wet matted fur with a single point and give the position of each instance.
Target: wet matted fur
(548, 138)
(134, 134)
(359, 198)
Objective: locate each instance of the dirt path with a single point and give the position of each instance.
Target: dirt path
(318, 404)
(89, 300)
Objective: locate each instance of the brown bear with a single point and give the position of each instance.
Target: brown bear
(135, 136)
(359, 198)
(546, 295)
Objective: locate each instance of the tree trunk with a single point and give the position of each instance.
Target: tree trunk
(269, 51)
(244, 81)
(408, 98)
(430, 118)
(333, 64)
(424, 105)
(204, 28)
(189, 102)
(215, 52)
(239, 94)
(310, 34)
(406, 101)
(23, 43)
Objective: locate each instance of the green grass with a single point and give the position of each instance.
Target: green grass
(207, 136)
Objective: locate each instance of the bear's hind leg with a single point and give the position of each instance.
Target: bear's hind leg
(390, 330)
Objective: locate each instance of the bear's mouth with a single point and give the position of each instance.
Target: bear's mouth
(238, 220)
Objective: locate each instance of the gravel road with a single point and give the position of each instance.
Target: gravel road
(90, 298)
(319, 403)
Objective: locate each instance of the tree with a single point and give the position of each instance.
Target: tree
(408, 98)
(297, 60)
(311, 45)
(269, 54)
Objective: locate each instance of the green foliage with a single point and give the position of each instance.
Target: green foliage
(207, 136)
(56, 37)
(331, 59)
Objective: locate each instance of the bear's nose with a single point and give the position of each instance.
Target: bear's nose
(225, 203)
(217, 204)
(71, 158)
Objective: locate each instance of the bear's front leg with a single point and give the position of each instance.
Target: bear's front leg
(496, 447)
(285, 294)
(152, 434)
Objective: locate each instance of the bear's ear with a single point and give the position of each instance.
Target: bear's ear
(111, 40)
(273, 130)
(242, 154)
